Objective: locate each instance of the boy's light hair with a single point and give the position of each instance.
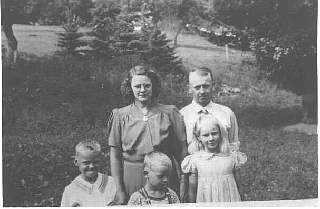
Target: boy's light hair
(224, 142)
(156, 159)
(88, 145)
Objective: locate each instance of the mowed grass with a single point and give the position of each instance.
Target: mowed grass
(50, 104)
(38, 40)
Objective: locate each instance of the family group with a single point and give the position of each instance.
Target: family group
(158, 154)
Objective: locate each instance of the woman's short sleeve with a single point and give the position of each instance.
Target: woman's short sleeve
(114, 138)
(188, 165)
(178, 125)
(240, 158)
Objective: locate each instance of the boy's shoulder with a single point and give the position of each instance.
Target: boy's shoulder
(136, 198)
(77, 184)
(173, 195)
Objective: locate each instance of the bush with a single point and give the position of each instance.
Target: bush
(289, 62)
(235, 39)
(39, 93)
(49, 105)
(285, 34)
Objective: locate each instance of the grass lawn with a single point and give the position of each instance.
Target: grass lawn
(50, 104)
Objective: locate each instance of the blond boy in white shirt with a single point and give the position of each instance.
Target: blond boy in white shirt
(90, 188)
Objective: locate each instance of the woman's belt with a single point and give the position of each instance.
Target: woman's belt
(132, 158)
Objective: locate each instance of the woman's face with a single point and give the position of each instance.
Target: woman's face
(142, 88)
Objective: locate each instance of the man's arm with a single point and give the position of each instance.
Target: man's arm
(116, 164)
(237, 178)
(189, 128)
(233, 132)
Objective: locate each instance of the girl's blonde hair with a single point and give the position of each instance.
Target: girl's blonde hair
(224, 142)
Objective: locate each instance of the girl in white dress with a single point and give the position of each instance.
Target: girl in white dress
(212, 169)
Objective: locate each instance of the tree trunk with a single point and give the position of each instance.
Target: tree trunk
(175, 39)
(6, 26)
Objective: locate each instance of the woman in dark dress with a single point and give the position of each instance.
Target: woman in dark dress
(142, 127)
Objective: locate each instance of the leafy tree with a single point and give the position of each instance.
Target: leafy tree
(82, 10)
(285, 32)
(285, 43)
(187, 13)
(13, 12)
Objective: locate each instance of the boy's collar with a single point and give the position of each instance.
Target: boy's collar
(99, 183)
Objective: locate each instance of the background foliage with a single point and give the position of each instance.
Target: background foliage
(51, 103)
(285, 38)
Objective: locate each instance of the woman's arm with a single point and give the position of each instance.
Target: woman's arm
(180, 149)
(183, 188)
(183, 177)
(116, 165)
(193, 185)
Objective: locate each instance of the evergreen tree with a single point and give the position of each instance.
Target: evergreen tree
(160, 55)
(69, 40)
(105, 26)
(152, 45)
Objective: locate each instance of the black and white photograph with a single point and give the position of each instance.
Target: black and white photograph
(159, 102)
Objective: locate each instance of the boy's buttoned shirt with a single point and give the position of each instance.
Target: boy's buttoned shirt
(223, 113)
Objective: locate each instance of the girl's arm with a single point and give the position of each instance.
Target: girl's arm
(237, 179)
(117, 173)
(193, 185)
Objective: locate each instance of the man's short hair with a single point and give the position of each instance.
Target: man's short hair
(202, 71)
(88, 145)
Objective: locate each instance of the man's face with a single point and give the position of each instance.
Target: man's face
(201, 88)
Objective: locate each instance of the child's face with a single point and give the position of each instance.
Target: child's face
(210, 136)
(89, 164)
(158, 177)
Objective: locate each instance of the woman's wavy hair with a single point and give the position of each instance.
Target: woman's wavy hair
(224, 142)
(148, 71)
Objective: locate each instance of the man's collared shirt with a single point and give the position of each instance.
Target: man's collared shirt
(223, 113)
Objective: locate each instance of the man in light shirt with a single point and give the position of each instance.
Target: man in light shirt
(201, 84)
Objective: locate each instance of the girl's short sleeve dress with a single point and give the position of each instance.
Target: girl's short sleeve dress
(216, 182)
(136, 135)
